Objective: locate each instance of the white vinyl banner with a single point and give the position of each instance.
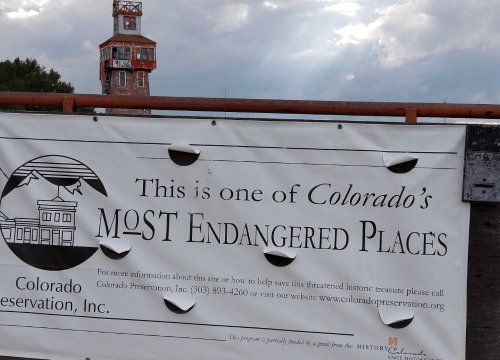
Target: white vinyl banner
(168, 238)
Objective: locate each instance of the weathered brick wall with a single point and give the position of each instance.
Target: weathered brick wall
(130, 88)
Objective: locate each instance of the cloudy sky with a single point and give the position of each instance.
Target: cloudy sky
(360, 50)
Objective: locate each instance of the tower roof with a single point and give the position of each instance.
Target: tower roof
(130, 38)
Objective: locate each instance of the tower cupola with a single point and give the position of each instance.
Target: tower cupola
(127, 17)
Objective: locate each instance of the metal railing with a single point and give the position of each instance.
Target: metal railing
(410, 111)
(128, 6)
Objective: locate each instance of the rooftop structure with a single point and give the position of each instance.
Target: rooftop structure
(127, 7)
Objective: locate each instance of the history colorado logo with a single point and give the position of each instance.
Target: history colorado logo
(38, 216)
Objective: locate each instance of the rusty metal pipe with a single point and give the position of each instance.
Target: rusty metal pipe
(355, 108)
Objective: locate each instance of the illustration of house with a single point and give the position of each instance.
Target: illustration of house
(55, 225)
(26, 230)
(57, 221)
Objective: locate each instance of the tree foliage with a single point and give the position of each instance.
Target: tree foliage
(29, 76)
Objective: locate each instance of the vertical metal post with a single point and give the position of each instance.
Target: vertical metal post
(68, 105)
(411, 115)
(224, 98)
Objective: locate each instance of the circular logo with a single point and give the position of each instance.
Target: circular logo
(39, 212)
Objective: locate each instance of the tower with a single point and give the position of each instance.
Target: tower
(127, 58)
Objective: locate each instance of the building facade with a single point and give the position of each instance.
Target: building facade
(127, 58)
(55, 225)
(57, 222)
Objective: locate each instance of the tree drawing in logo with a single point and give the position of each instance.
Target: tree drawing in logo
(48, 240)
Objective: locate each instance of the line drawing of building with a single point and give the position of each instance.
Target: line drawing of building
(55, 225)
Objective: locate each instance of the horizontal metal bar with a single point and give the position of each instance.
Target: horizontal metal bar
(354, 108)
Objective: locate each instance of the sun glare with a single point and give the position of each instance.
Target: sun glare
(21, 13)
(270, 5)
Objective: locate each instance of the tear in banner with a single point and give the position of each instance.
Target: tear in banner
(142, 238)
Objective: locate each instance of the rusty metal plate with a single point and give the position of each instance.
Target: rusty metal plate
(482, 164)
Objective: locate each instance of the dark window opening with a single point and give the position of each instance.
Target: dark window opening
(140, 78)
(120, 52)
(123, 78)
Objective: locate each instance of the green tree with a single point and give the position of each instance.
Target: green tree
(29, 76)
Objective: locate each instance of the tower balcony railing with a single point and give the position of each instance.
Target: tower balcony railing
(127, 6)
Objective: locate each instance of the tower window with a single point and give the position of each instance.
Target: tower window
(120, 52)
(145, 54)
(116, 24)
(129, 23)
(140, 78)
(123, 78)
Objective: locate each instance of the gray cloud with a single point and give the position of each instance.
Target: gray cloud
(420, 50)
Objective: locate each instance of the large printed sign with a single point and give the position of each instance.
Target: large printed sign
(138, 238)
